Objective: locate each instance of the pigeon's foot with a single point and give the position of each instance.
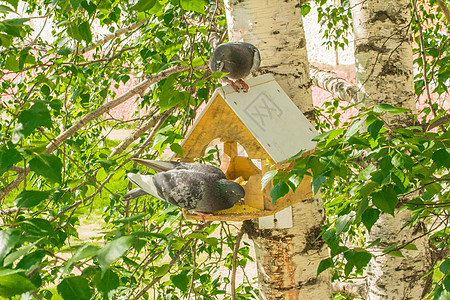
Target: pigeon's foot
(234, 86)
(202, 215)
(243, 85)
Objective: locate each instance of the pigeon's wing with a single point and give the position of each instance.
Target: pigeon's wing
(256, 59)
(203, 168)
(158, 165)
(145, 183)
(162, 166)
(184, 188)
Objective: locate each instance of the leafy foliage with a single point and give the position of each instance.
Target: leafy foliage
(59, 168)
(365, 170)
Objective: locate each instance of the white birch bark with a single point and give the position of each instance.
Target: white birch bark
(383, 55)
(287, 259)
(384, 74)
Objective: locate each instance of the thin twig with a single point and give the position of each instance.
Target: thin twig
(234, 261)
(424, 61)
(171, 263)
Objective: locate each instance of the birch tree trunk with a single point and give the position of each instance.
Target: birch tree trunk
(384, 74)
(287, 259)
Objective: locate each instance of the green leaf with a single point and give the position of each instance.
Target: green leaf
(354, 128)
(442, 158)
(106, 282)
(14, 3)
(15, 255)
(8, 158)
(130, 220)
(5, 9)
(28, 120)
(12, 64)
(8, 239)
(48, 166)
(176, 148)
(85, 31)
(367, 189)
(89, 6)
(194, 5)
(31, 261)
(113, 250)
(75, 288)
(402, 161)
(369, 217)
(434, 188)
(143, 5)
(396, 253)
(85, 251)
(410, 247)
(440, 294)
(27, 199)
(361, 259)
(161, 270)
(324, 264)
(348, 268)
(446, 283)
(305, 9)
(16, 21)
(75, 4)
(196, 235)
(344, 222)
(374, 128)
(106, 163)
(445, 266)
(389, 108)
(385, 200)
(267, 177)
(362, 207)
(279, 191)
(5, 40)
(14, 282)
(181, 281)
(317, 183)
(38, 227)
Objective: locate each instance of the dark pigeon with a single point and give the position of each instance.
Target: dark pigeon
(196, 187)
(237, 59)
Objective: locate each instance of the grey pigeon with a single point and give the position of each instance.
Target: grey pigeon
(237, 59)
(197, 187)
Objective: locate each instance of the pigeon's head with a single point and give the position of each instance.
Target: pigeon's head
(232, 191)
(218, 58)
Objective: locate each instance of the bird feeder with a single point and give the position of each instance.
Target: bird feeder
(271, 129)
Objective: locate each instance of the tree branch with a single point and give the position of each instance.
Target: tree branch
(138, 89)
(439, 122)
(114, 35)
(135, 135)
(337, 86)
(444, 8)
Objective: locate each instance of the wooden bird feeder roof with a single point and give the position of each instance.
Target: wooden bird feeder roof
(264, 121)
(269, 127)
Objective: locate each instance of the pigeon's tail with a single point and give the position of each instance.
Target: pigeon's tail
(145, 183)
(158, 165)
(134, 193)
